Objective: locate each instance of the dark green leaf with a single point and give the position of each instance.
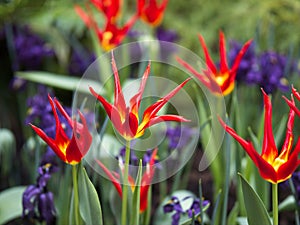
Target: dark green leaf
(256, 211)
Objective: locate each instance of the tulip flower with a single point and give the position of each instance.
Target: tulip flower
(215, 79)
(291, 103)
(273, 166)
(70, 150)
(112, 34)
(150, 12)
(110, 8)
(126, 118)
(145, 182)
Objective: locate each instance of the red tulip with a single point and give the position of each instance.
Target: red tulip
(70, 150)
(151, 12)
(112, 34)
(218, 79)
(125, 118)
(273, 167)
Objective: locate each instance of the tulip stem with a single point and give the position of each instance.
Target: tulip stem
(75, 194)
(275, 203)
(125, 184)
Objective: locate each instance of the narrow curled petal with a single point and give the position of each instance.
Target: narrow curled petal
(113, 179)
(146, 180)
(265, 169)
(208, 59)
(223, 57)
(152, 110)
(269, 149)
(239, 57)
(136, 99)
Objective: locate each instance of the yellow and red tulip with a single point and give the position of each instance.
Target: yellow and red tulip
(112, 34)
(273, 166)
(145, 182)
(291, 103)
(110, 8)
(151, 12)
(70, 150)
(126, 118)
(218, 80)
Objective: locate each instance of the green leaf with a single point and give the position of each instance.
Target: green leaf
(233, 215)
(136, 197)
(288, 204)
(256, 211)
(89, 204)
(61, 81)
(11, 204)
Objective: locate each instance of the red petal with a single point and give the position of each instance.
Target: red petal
(115, 182)
(208, 59)
(286, 169)
(223, 60)
(49, 142)
(239, 57)
(292, 106)
(107, 106)
(119, 97)
(265, 169)
(146, 180)
(269, 149)
(296, 93)
(287, 145)
(136, 99)
(85, 17)
(152, 110)
(201, 77)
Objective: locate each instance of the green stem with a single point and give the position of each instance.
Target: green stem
(75, 193)
(125, 184)
(275, 203)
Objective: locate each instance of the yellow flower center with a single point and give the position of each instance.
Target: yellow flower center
(107, 36)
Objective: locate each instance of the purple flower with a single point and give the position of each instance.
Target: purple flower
(178, 136)
(80, 61)
(267, 70)
(174, 206)
(134, 160)
(40, 112)
(37, 201)
(166, 36)
(30, 49)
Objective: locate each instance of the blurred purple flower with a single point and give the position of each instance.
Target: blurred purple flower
(37, 201)
(134, 160)
(178, 137)
(79, 62)
(30, 49)
(40, 112)
(164, 35)
(267, 70)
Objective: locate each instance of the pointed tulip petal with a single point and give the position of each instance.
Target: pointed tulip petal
(223, 57)
(269, 149)
(208, 59)
(115, 182)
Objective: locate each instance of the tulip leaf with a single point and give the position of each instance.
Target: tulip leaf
(61, 81)
(256, 211)
(11, 204)
(89, 204)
